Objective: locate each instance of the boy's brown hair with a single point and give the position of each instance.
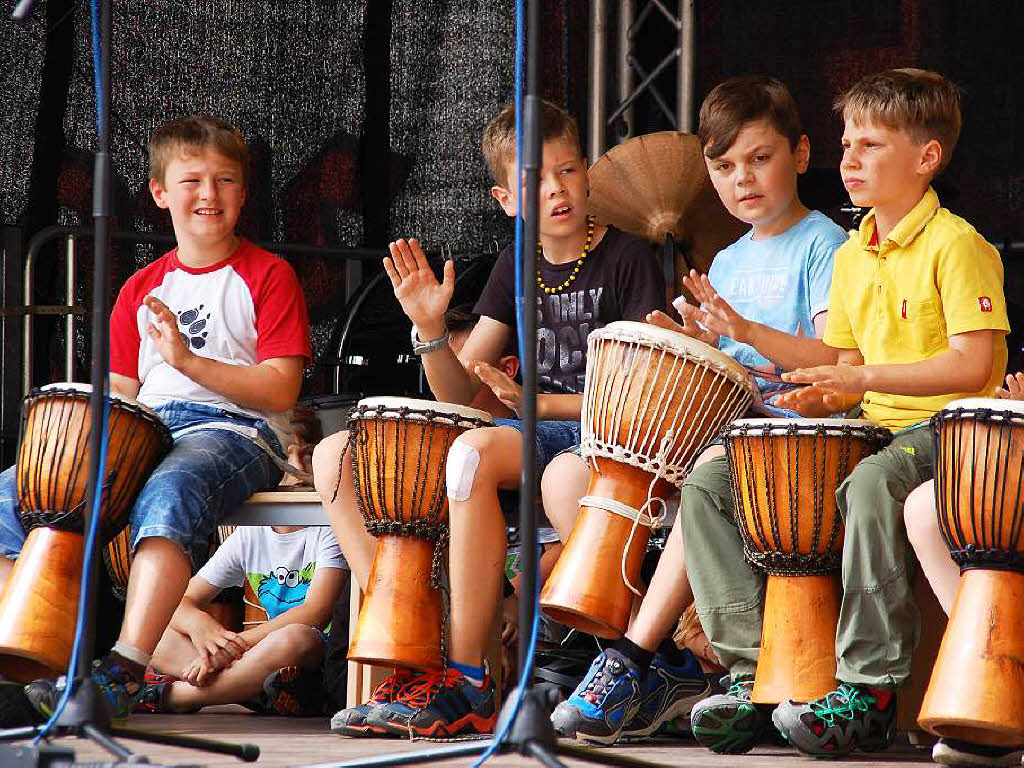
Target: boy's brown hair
(499, 140)
(193, 134)
(924, 104)
(741, 100)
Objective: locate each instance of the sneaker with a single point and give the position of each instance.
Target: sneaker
(295, 692)
(154, 690)
(605, 700)
(120, 691)
(955, 752)
(730, 723)
(352, 721)
(153, 700)
(667, 692)
(851, 717)
(441, 704)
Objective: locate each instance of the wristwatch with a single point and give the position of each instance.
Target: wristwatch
(423, 347)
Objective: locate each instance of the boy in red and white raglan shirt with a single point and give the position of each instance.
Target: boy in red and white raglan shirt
(213, 336)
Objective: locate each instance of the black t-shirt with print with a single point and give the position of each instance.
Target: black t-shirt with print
(619, 280)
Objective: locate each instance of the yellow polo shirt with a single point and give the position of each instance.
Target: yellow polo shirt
(933, 277)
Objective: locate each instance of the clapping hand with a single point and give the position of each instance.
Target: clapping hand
(503, 387)
(423, 299)
(714, 312)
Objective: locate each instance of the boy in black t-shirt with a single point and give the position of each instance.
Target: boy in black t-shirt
(588, 276)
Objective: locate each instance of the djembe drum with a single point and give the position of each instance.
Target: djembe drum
(39, 603)
(784, 474)
(652, 399)
(398, 449)
(976, 692)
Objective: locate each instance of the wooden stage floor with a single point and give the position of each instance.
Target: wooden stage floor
(307, 741)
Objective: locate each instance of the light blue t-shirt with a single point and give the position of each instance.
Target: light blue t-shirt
(781, 282)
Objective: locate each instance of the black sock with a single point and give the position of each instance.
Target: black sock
(639, 656)
(677, 657)
(136, 671)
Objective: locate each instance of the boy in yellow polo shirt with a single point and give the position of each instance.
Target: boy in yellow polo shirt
(917, 313)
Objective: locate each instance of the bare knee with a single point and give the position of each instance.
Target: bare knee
(564, 482)
(328, 456)
(294, 641)
(481, 460)
(919, 513)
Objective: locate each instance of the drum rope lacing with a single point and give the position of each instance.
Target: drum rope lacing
(54, 412)
(980, 536)
(643, 361)
(667, 408)
(765, 549)
(434, 526)
(640, 516)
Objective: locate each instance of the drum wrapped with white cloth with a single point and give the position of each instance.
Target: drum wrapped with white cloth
(652, 400)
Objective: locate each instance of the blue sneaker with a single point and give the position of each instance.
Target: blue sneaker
(605, 700)
(121, 692)
(667, 692)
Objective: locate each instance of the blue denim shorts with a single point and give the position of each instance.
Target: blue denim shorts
(208, 473)
(551, 438)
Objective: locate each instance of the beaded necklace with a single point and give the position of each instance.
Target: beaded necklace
(579, 261)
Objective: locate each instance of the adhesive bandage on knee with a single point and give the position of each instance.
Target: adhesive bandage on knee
(460, 470)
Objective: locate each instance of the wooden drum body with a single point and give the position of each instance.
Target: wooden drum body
(652, 400)
(398, 449)
(39, 602)
(976, 692)
(785, 473)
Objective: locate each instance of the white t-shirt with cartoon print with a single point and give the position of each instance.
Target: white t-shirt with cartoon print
(276, 567)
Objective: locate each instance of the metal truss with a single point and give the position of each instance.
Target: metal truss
(632, 78)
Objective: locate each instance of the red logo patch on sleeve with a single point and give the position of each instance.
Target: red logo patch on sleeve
(985, 303)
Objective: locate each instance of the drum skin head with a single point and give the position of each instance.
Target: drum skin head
(417, 409)
(679, 343)
(78, 387)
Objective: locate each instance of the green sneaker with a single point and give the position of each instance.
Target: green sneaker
(848, 718)
(730, 723)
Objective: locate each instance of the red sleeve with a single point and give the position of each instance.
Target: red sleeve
(282, 322)
(124, 334)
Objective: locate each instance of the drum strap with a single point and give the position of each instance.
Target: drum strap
(254, 437)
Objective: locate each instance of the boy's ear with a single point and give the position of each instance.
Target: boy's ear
(509, 365)
(802, 153)
(505, 199)
(931, 157)
(156, 189)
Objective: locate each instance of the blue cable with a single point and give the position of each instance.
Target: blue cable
(525, 674)
(518, 181)
(96, 63)
(90, 541)
(83, 597)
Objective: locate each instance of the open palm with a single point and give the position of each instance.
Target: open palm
(423, 299)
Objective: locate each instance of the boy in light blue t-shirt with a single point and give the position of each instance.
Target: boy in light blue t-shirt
(764, 304)
(782, 282)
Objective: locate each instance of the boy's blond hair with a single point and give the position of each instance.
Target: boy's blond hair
(741, 100)
(194, 134)
(499, 139)
(924, 104)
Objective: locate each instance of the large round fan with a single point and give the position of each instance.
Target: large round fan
(657, 184)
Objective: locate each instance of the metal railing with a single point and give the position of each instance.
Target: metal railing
(69, 310)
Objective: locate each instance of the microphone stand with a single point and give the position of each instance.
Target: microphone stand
(85, 714)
